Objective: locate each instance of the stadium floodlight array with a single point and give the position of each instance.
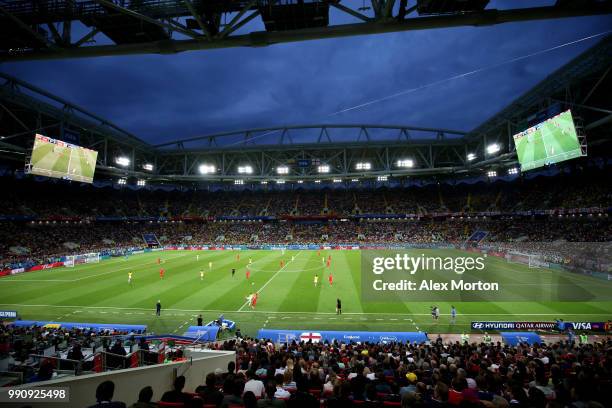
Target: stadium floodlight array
(363, 166)
(246, 169)
(280, 181)
(318, 181)
(324, 168)
(207, 169)
(238, 182)
(122, 161)
(147, 166)
(471, 156)
(382, 178)
(354, 180)
(122, 181)
(337, 180)
(406, 163)
(141, 183)
(491, 173)
(513, 170)
(282, 170)
(264, 182)
(493, 148)
(300, 181)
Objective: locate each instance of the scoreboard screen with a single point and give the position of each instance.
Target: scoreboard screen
(548, 142)
(59, 159)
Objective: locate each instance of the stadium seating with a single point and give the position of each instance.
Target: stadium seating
(77, 219)
(429, 376)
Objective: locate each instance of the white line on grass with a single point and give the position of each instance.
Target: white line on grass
(89, 276)
(270, 280)
(307, 313)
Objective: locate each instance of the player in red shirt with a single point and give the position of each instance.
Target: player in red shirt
(331, 279)
(328, 263)
(158, 261)
(237, 257)
(248, 274)
(161, 273)
(254, 300)
(282, 264)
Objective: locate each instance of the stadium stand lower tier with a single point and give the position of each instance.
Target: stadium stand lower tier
(302, 375)
(29, 243)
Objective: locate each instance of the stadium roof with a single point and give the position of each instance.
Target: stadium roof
(50, 29)
(580, 84)
(596, 61)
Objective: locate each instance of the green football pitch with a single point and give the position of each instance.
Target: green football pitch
(554, 141)
(100, 293)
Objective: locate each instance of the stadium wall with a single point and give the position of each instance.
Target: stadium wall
(130, 381)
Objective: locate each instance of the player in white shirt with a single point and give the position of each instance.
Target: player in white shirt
(210, 265)
(201, 274)
(129, 278)
(197, 257)
(316, 280)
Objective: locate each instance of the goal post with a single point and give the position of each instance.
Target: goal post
(531, 260)
(73, 260)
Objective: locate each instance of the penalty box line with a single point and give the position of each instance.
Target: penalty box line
(174, 258)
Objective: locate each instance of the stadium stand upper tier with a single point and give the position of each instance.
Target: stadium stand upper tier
(582, 188)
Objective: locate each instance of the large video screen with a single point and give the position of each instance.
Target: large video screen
(56, 158)
(551, 141)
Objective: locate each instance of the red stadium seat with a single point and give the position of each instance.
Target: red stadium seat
(392, 404)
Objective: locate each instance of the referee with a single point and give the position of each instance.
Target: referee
(338, 306)
(158, 308)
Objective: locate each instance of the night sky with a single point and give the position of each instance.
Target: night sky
(162, 98)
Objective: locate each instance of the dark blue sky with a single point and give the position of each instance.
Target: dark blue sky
(162, 98)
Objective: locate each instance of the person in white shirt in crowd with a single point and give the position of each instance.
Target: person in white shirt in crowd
(254, 385)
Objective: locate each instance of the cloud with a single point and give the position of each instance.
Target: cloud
(168, 97)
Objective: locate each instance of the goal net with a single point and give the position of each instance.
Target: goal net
(73, 260)
(532, 260)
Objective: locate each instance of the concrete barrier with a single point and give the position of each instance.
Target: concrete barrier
(130, 381)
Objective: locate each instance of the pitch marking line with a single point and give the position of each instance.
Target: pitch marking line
(305, 313)
(270, 280)
(85, 277)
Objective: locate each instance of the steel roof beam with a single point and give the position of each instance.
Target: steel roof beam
(263, 38)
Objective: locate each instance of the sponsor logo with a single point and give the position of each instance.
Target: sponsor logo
(8, 314)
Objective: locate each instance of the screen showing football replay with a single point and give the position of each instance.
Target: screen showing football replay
(548, 142)
(56, 158)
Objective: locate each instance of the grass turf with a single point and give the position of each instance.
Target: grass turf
(100, 293)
